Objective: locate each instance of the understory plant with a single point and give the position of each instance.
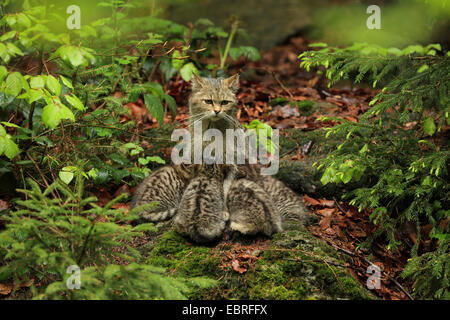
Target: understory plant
(64, 92)
(399, 145)
(65, 246)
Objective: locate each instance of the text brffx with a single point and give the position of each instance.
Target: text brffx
(246, 309)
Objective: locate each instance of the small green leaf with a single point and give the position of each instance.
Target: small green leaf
(8, 35)
(92, 173)
(37, 82)
(364, 149)
(177, 63)
(2, 143)
(248, 52)
(3, 73)
(66, 82)
(171, 103)
(143, 161)
(328, 176)
(154, 105)
(318, 44)
(53, 113)
(67, 173)
(53, 85)
(14, 84)
(429, 127)
(66, 113)
(156, 159)
(187, 71)
(423, 68)
(427, 181)
(348, 173)
(75, 102)
(13, 50)
(51, 116)
(34, 95)
(10, 148)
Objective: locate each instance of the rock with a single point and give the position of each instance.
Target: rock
(292, 265)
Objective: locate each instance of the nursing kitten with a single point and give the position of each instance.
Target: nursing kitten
(288, 204)
(164, 185)
(251, 209)
(201, 213)
(277, 203)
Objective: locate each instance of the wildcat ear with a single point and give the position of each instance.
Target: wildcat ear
(197, 82)
(232, 82)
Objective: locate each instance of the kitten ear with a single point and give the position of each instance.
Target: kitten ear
(232, 82)
(197, 82)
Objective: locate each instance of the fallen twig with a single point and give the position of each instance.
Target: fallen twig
(369, 262)
(338, 205)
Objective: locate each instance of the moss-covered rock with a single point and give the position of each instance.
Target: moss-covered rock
(293, 265)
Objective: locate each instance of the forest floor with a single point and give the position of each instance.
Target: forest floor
(274, 90)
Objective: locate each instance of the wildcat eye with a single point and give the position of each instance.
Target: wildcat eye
(225, 102)
(208, 101)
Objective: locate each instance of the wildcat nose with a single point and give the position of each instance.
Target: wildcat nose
(217, 111)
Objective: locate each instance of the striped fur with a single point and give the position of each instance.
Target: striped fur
(201, 215)
(165, 186)
(259, 204)
(251, 210)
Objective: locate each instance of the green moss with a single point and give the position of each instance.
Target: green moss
(265, 273)
(177, 255)
(271, 293)
(341, 284)
(170, 243)
(292, 260)
(305, 107)
(300, 287)
(284, 271)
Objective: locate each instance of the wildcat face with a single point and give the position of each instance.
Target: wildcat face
(213, 99)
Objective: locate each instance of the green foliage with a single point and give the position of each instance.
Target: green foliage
(391, 145)
(7, 145)
(430, 271)
(263, 134)
(64, 120)
(47, 234)
(66, 107)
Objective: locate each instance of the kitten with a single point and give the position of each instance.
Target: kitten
(201, 213)
(164, 185)
(288, 204)
(251, 209)
(271, 204)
